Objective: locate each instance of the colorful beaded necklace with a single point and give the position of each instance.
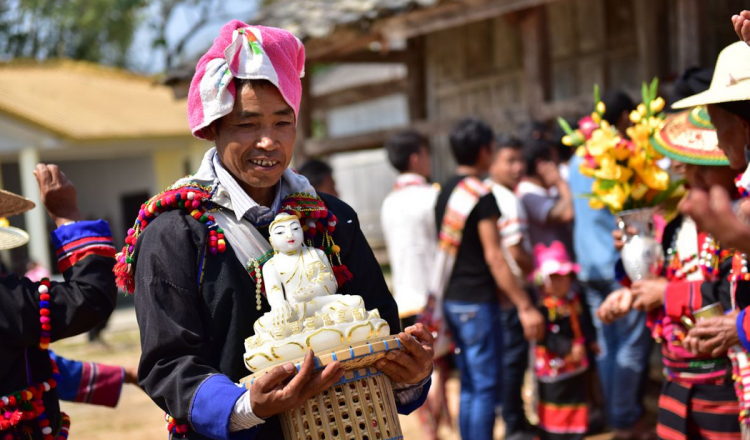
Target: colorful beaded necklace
(28, 404)
(190, 197)
(711, 255)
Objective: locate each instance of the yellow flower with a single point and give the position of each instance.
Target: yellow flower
(567, 141)
(613, 197)
(586, 170)
(595, 117)
(601, 108)
(602, 140)
(657, 105)
(639, 134)
(654, 122)
(638, 191)
(650, 173)
(635, 117)
(610, 170)
(595, 203)
(641, 109)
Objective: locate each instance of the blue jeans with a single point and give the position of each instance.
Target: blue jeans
(515, 362)
(477, 332)
(625, 345)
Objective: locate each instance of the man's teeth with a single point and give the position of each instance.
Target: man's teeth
(263, 163)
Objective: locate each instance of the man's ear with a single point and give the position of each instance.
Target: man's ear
(210, 132)
(413, 160)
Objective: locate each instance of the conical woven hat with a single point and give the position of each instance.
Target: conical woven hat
(13, 204)
(689, 137)
(11, 237)
(731, 80)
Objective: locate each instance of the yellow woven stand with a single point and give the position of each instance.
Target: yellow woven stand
(361, 406)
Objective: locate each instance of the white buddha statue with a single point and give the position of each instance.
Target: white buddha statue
(306, 312)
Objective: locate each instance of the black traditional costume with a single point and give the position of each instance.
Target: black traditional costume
(35, 314)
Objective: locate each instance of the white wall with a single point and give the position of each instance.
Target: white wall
(376, 114)
(363, 179)
(101, 184)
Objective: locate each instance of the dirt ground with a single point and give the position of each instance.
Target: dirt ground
(137, 417)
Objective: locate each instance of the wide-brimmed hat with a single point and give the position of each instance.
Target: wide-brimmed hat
(553, 260)
(13, 204)
(731, 81)
(11, 237)
(689, 137)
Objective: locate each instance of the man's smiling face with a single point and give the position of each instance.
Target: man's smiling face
(256, 140)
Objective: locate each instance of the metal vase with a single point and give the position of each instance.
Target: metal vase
(642, 256)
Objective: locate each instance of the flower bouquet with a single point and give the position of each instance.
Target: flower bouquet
(625, 170)
(627, 178)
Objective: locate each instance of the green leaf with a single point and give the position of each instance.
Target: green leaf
(644, 93)
(565, 126)
(606, 185)
(596, 94)
(654, 88)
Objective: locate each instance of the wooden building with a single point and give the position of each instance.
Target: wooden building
(503, 60)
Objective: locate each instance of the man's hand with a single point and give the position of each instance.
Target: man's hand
(714, 214)
(58, 194)
(619, 236)
(578, 352)
(713, 336)
(532, 322)
(615, 306)
(131, 375)
(549, 173)
(648, 295)
(271, 394)
(741, 24)
(412, 364)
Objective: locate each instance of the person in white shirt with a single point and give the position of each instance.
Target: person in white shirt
(507, 170)
(408, 220)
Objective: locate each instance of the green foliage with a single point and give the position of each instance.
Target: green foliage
(91, 30)
(565, 126)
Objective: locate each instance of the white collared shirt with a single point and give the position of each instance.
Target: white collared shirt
(242, 204)
(408, 220)
(512, 224)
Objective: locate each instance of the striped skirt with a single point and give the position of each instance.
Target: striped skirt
(698, 411)
(562, 409)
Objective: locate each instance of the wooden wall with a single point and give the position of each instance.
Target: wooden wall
(473, 70)
(479, 69)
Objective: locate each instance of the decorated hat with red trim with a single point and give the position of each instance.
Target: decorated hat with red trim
(689, 137)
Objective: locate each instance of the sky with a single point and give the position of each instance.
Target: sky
(145, 59)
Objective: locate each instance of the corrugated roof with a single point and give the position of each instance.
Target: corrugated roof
(318, 18)
(85, 101)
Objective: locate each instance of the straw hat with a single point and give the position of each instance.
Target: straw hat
(11, 237)
(731, 81)
(13, 204)
(689, 137)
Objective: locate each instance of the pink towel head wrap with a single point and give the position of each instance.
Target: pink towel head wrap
(246, 52)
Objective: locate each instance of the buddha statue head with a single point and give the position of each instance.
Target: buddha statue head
(285, 233)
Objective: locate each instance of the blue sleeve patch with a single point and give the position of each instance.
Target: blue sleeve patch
(212, 406)
(70, 377)
(76, 231)
(741, 330)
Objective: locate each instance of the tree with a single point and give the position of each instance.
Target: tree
(92, 30)
(195, 15)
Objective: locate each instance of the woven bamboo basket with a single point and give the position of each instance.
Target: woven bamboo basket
(361, 406)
